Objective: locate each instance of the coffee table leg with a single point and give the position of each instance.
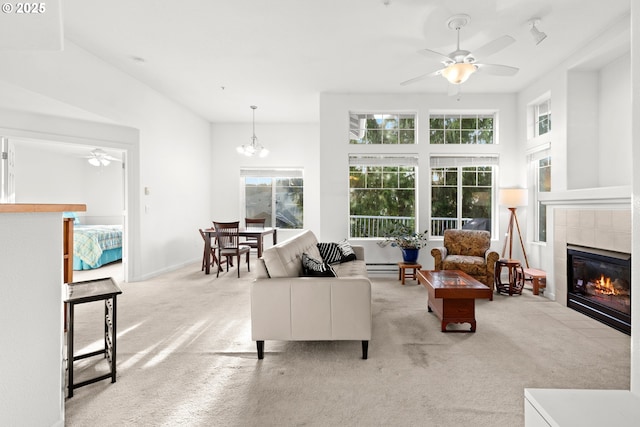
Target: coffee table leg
(443, 326)
(473, 326)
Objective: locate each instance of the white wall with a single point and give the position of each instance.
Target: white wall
(31, 389)
(290, 145)
(335, 150)
(614, 162)
(174, 148)
(46, 175)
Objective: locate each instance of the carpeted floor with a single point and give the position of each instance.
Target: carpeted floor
(185, 357)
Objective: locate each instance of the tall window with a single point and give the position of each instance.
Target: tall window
(276, 195)
(461, 129)
(542, 118)
(382, 189)
(462, 193)
(382, 128)
(540, 164)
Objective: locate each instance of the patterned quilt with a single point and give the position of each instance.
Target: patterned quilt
(90, 240)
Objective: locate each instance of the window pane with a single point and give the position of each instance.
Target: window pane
(258, 192)
(436, 137)
(289, 203)
(542, 222)
(452, 137)
(469, 123)
(381, 128)
(461, 129)
(452, 122)
(485, 137)
(468, 136)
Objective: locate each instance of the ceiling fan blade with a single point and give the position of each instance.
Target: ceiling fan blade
(493, 47)
(435, 55)
(422, 77)
(497, 70)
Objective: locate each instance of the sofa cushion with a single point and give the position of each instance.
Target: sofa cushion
(330, 252)
(467, 242)
(347, 252)
(316, 267)
(357, 268)
(473, 265)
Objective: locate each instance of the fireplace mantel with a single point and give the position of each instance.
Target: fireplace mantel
(619, 195)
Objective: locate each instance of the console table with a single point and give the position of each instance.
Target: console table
(88, 291)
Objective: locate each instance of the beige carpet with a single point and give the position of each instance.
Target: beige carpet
(185, 357)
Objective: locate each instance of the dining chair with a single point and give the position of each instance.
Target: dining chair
(212, 259)
(228, 235)
(253, 223)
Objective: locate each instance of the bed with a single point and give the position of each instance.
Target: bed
(96, 245)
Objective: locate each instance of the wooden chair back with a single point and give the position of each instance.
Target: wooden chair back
(227, 234)
(254, 222)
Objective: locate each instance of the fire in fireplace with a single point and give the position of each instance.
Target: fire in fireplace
(599, 285)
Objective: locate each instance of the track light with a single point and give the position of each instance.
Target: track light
(537, 35)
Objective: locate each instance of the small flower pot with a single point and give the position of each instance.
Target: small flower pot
(410, 255)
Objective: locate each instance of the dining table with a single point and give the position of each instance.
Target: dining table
(256, 232)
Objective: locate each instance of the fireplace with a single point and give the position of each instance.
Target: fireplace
(599, 285)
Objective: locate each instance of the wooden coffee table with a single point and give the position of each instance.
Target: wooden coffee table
(452, 295)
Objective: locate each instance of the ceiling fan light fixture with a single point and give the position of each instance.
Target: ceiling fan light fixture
(537, 35)
(459, 72)
(254, 148)
(93, 161)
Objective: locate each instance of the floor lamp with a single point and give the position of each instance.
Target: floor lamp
(512, 198)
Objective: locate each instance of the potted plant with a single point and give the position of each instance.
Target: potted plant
(409, 241)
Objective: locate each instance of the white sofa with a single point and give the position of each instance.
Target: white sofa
(288, 307)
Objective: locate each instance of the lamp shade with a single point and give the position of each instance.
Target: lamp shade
(459, 72)
(513, 197)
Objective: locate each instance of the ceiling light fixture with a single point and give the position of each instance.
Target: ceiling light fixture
(254, 148)
(99, 157)
(459, 72)
(537, 35)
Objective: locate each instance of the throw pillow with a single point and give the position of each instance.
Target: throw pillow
(316, 268)
(347, 251)
(330, 252)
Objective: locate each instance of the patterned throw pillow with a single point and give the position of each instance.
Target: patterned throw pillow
(315, 267)
(347, 251)
(330, 252)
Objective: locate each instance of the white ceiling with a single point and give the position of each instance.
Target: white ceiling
(219, 57)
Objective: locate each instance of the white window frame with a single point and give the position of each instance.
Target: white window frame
(459, 162)
(357, 126)
(395, 160)
(534, 156)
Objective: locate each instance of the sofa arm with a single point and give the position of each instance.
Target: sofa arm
(439, 254)
(359, 251)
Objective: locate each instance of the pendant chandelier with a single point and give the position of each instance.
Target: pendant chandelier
(254, 148)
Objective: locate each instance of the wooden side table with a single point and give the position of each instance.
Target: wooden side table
(88, 291)
(515, 283)
(412, 274)
(538, 279)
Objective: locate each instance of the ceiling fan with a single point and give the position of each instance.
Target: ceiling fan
(460, 64)
(99, 157)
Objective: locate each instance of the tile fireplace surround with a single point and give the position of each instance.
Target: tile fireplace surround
(600, 227)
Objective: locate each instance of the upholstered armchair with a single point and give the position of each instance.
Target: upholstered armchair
(469, 251)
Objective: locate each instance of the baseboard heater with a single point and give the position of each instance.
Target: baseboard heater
(380, 268)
